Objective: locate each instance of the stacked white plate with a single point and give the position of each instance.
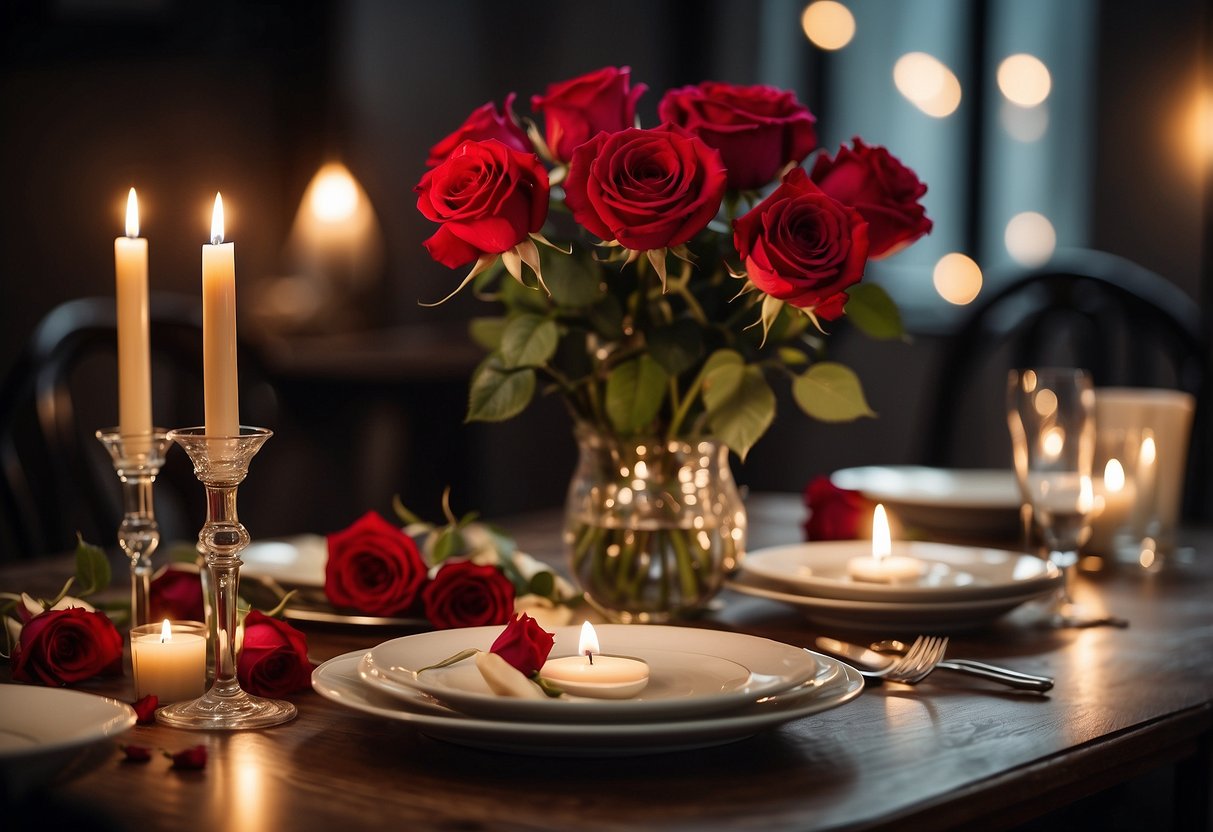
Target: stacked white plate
(960, 587)
(705, 688)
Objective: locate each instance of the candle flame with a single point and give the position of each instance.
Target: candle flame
(1113, 476)
(1086, 495)
(166, 632)
(882, 544)
(217, 221)
(1148, 450)
(132, 214)
(587, 645)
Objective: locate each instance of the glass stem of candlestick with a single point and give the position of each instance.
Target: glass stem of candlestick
(137, 460)
(221, 464)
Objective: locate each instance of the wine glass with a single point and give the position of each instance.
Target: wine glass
(1051, 416)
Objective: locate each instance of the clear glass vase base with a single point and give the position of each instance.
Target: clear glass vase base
(227, 713)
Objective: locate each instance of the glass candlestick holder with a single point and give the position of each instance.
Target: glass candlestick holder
(137, 458)
(221, 464)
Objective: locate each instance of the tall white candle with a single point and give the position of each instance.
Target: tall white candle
(219, 330)
(134, 357)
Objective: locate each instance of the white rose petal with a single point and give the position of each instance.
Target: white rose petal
(504, 679)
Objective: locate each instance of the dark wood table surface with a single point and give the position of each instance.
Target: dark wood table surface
(1130, 706)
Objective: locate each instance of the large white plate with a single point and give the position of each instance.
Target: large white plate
(901, 618)
(44, 730)
(835, 684)
(691, 671)
(950, 573)
(292, 561)
(976, 502)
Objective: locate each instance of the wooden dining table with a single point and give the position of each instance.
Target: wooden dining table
(1128, 728)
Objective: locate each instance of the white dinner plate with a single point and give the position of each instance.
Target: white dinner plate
(292, 561)
(834, 684)
(974, 502)
(691, 672)
(949, 573)
(44, 730)
(901, 617)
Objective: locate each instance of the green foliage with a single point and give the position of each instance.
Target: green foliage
(741, 408)
(92, 568)
(830, 392)
(634, 394)
(528, 341)
(498, 392)
(873, 312)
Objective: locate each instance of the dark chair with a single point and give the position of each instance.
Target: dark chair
(1127, 325)
(56, 479)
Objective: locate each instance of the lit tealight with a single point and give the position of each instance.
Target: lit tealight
(883, 566)
(592, 674)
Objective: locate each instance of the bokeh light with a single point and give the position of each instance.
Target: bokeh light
(1030, 239)
(1024, 80)
(957, 278)
(927, 83)
(828, 24)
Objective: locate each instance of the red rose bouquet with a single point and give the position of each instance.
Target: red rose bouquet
(698, 260)
(680, 210)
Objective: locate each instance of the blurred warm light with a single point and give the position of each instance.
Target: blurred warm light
(1052, 441)
(927, 83)
(1086, 495)
(1024, 124)
(1194, 130)
(957, 278)
(333, 193)
(1045, 402)
(882, 538)
(132, 214)
(1030, 238)
(1024, 80)
(1113, 476)
(828, 24)
(1148, 449)
(1146, 558)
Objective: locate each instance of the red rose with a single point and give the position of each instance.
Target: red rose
(882, 189)
(485, 122)
(373, 567)
(273, 657)
(488, 199)
(758, 130)
(191, 758)
(177, 595)
(136, 753)
(524, 644)
(802, 246)
(835, 513)
(464, 594)
(648, 189)
(60, 647)
(145, 709)
(576, 110)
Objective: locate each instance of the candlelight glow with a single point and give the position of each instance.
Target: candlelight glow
(1114, 476)
(927, 83)
(132, 214)
(1052, 441)
(588, 643)
(957, 278)
(333, 195)
(1045, 402)
(1024, 80)
(882, 544)
(1086, 495)
(1148, 449)
(828, 24)
(166, 632)
(217, 221)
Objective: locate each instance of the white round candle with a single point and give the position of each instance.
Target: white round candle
(883, 566)
(170, 665)
(592, 674)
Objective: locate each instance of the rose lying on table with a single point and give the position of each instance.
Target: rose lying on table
(835, 513)
(462, 574)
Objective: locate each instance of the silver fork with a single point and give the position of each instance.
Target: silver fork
(919, 660)
(930, 656)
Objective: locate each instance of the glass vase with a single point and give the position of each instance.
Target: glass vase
(652, 527)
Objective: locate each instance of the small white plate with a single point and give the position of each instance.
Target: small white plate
(950, 573)
(834, 684)
(43, 730)
(691, 672)
(973, 502)
(903, 618)
(292, 561)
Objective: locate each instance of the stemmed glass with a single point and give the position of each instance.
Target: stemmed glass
(221, 464)
(137, 459)
(1051, 416)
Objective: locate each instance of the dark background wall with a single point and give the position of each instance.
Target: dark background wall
(183, 99)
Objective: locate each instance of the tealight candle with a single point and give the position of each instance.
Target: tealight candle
(883, 566)
(590, 673)
(168, 662)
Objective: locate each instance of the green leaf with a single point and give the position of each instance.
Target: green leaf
(634, 392)
(792, 356)
(517, 297)
(543, 584)
(740, 418)
(448, 542)
(721, 376)
(606, 317)
(574, 281)
(406, 517)
(528, 341)
(92, 568)
(871, 309)
(498, 393)
(487, 332)
(831, 392)
(678, 346)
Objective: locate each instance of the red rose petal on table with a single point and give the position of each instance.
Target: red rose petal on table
(136, 753)
(190, 759)
(145, 709)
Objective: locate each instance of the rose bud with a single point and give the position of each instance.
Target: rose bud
(523, 644)
(136, 753)
(145, 709)
(190, 759)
